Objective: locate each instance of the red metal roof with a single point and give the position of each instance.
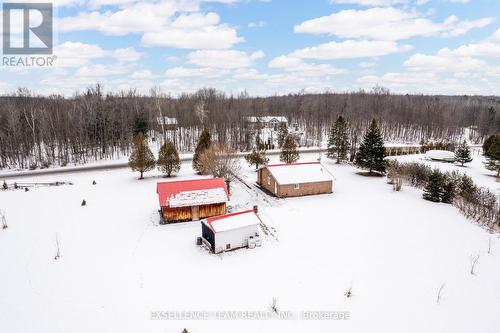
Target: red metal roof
(290, 164)
(166, 190)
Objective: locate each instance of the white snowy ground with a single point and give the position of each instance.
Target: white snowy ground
(118, 264)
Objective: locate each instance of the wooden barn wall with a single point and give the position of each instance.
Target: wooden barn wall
(185, 213)
(212, 210)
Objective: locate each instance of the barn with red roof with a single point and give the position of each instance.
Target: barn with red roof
(192, 200)
(231, 231)
(294, 180)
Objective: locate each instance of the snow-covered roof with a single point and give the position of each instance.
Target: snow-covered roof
(299, 173)
(199, 197)
(267, 119)
(233, 221)
(441, 155)
(192, 192)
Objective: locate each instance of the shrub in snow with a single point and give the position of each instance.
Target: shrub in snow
(274, 305)
(5, 186)
(473, 262)
(434, 188)
(94, 183)
(26, 189)
(84, 203)
(348, 293)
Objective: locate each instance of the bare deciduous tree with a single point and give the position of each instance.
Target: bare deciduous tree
(220, 161)
(3, 219)
(474, 258)
(440, 293)
(58, 248)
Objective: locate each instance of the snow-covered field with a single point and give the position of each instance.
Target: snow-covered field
(118, 264)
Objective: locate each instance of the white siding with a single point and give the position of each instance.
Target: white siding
(236, 238)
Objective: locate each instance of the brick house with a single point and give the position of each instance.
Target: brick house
(294, 180)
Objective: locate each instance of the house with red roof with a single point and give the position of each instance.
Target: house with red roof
(231, 231)
(192, 200)
(294, 180)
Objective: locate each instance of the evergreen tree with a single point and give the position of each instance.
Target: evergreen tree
(449, 189)
(168, 159)
(142, 158)
(257, 158)
(140, 125)
(372, 151)
(338, 141)
(493, 158)
(5, 186)
(462, 154)
(204, 142)
(434, 189)
(282, 134)
(289, 153)
(489, 142)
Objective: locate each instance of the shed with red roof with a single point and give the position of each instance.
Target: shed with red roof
(293, 180)
(231, 231)
(191, 200)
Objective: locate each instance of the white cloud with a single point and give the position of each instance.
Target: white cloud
(165, 23)
(228, 59)
(370, 2)
(188, 72)
(350, 49)
(75, 54)
(126, 54)
(100, 70)
(256, 24)
(298, 66)
(142, 74)
(385, 24)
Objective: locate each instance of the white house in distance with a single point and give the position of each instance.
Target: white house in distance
(267, 121)
(167, 123)
(231, 231)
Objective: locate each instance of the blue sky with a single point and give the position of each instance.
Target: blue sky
(271, 47)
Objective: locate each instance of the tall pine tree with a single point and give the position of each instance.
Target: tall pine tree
(462, 154)
(338, 140)
(289, 153)
(371, 152)
(204, 142)
(282, 134)
(168, 159)
(493, 157)
(434, 189)
(142, 158)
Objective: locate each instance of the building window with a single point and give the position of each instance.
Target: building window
(296, 186)
(268, 180)
(228, 246)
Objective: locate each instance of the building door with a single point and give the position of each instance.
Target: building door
(195, 212)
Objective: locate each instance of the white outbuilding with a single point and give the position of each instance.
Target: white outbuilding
(231, 231)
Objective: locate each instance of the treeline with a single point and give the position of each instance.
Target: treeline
(38, 131)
